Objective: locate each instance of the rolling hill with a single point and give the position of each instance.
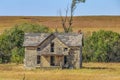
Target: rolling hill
(87, 24)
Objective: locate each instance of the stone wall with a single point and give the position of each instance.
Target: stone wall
(30, 57)
(59, 60)
(74, 57)
(45, 61)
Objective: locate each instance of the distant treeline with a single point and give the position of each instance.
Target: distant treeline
(101, 46)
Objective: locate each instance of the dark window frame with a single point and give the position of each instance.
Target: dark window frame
(38, 59)
(65, 49)
(52, 47)
(38, 49)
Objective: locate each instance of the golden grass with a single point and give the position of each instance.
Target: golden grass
(91, 71)
(85, 23)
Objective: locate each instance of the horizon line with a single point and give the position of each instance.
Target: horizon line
(51, 15)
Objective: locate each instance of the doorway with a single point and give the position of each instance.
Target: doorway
(52, 60)
(65, 60)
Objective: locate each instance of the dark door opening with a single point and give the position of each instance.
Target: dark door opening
(65, 60)
(52, 60)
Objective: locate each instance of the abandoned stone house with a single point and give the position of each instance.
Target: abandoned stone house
(63, 50)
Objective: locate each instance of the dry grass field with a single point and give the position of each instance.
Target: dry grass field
(91, 71)
(85, 23)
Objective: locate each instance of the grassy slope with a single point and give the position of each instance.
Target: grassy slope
(86, 24)
(91, 71)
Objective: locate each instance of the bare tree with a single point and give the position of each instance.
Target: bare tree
(64, 20)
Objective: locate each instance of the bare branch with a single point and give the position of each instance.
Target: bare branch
(63, 20)
(68, 28)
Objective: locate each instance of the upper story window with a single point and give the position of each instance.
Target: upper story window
(38, 49)
(65, 49)
(52, 47)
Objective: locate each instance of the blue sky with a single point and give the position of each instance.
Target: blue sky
(52, 7)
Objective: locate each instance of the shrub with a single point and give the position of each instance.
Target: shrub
(11, 42)
(102, 46)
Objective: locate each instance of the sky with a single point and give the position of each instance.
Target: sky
(53, 7)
